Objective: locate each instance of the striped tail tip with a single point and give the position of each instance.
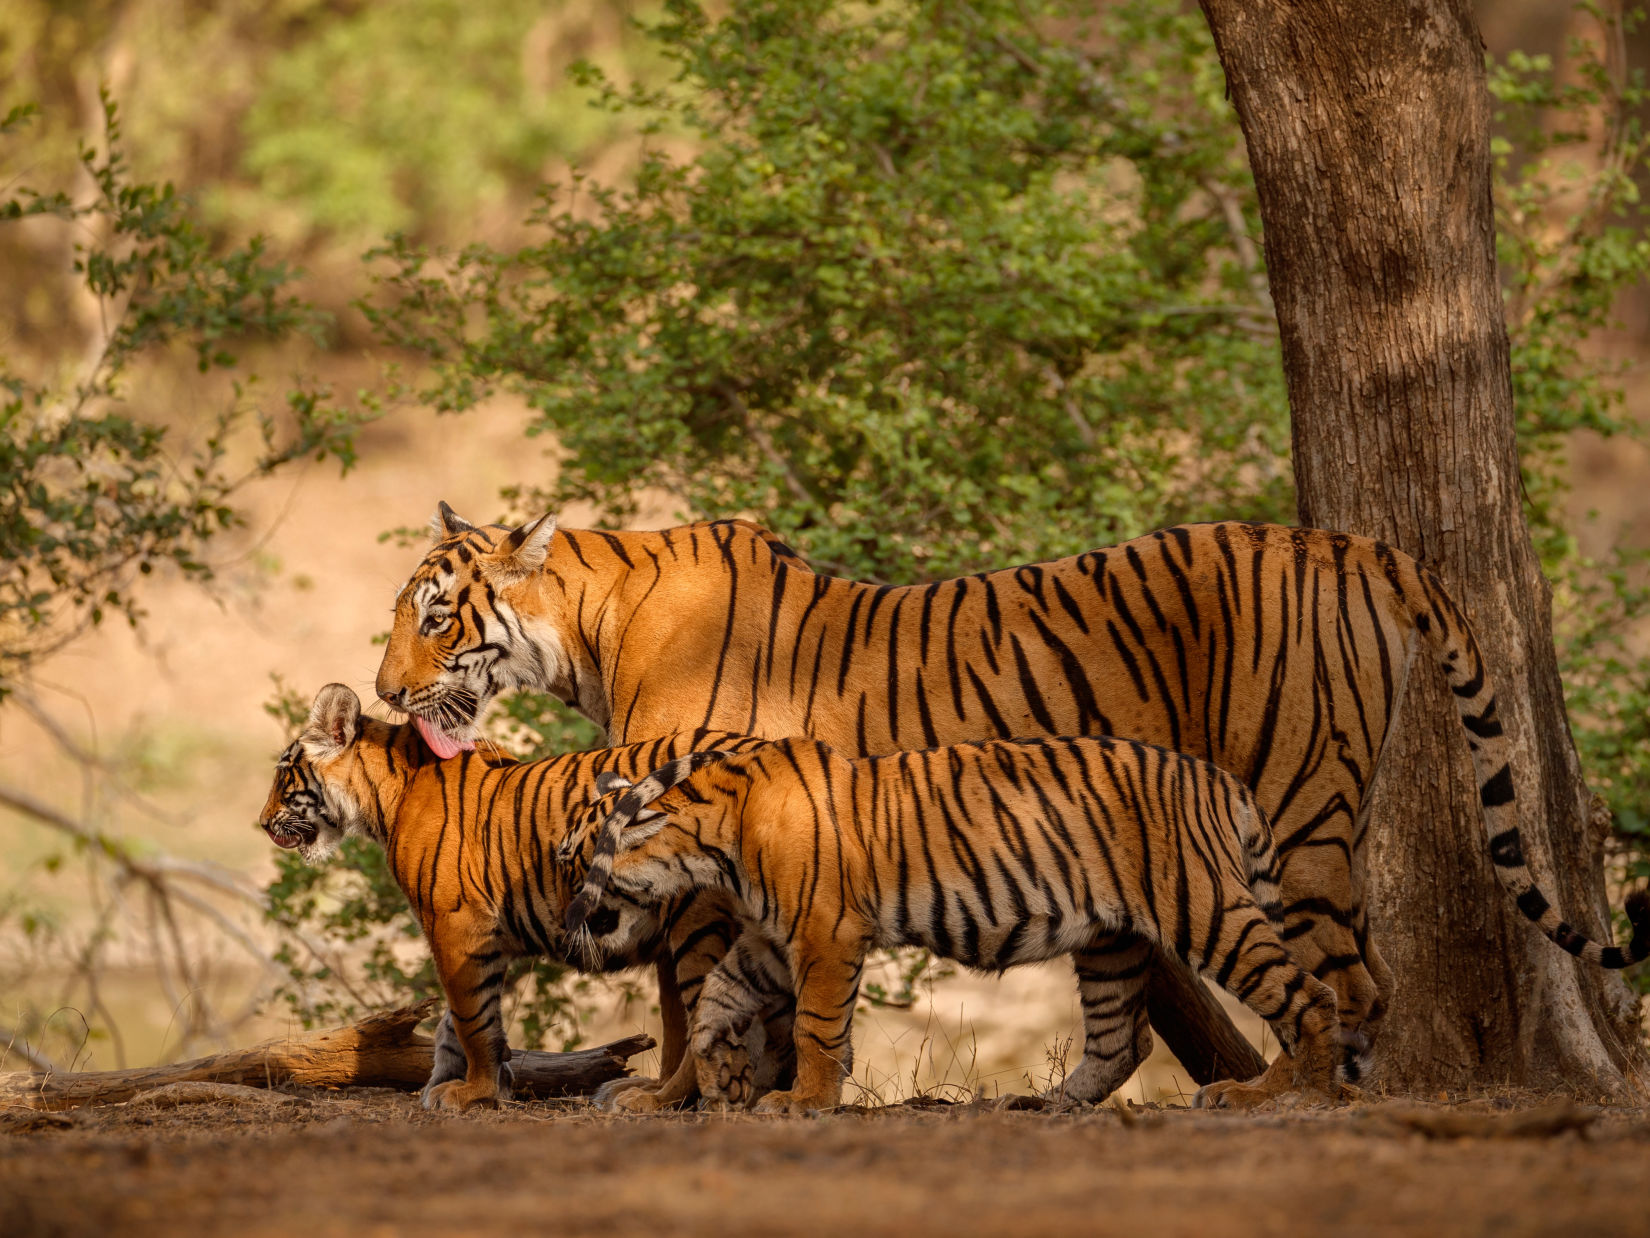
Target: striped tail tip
(1638, 915)
(1613, 958)
(578, 911)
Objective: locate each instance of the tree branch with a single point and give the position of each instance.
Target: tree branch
(17, 1046)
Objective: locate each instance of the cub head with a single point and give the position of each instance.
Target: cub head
(321, 791)
(466, 629)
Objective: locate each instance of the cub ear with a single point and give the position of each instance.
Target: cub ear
(646, 824)
(334, 718)
(607, 782)
(447, 523)
(524, 550)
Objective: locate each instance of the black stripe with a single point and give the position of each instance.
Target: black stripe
(1507, 849)
(1498, 790)
(1486, 725)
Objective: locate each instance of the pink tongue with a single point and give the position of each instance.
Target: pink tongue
(439, 741)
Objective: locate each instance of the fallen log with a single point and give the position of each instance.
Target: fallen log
(381, 1050)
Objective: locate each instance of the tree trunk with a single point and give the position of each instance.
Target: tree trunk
(381, 1050)
(1367, 126)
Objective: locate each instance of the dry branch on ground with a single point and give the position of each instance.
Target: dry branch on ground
(381, 1050)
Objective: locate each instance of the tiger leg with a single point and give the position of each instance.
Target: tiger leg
(1359, 1040)
(700, 935)
(665, 1093)
(825, 977)
(1111, 984)
(449, 1062)
(672, 1016)
(471, 967)
(1333, 945)
(730, 1026)
(776, 1062)
(1300, 1009)
(1323, 913)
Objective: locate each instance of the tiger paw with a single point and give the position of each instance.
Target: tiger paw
(612, 1093)
(1230, 1094)
(460, 1096)
(794, 1103)
(727, 1078)
(642, 1100)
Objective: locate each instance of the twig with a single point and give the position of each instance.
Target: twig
(1238, 228)
(17, 1046)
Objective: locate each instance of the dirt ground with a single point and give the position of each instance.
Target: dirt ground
(367, 1162)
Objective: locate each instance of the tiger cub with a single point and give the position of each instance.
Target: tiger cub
(471, 841)
(992, 854)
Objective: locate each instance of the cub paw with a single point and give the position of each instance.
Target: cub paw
(448, 1062)
(641, 1100)
(793, 1103)
(609, 1094)
(1229, 1094)
(727, 1077)
(460, 1096)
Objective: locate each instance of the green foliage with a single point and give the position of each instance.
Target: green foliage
(92, 498)
(406, 114)
(1571, 233)
(939, 290)
(529, 725)
(940, 287)
(1570, 237)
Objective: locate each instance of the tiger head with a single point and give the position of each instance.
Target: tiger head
(472, 622)
(322, 790)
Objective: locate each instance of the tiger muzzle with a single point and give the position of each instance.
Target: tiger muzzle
(287, 832)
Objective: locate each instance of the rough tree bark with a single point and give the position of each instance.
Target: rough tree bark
(1367, 125)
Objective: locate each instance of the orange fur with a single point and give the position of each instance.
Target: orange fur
(470, 841)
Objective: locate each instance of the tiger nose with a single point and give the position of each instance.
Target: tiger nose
(395, 700)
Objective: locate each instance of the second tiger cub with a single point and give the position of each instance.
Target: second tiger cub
(992, 854)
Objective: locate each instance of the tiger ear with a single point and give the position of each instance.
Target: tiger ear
(607, 782)
(524, 550)
(334, 719)
(447, 523)
(647, 823)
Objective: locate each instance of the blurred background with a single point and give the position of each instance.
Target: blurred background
(926, 287)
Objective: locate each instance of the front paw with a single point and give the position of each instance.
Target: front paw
(459, 1095)
(794, 1103)
(506, 1085)
(727, 1078)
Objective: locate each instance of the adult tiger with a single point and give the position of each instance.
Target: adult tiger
(470, 840)
(992, 854)
(1278, 654)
